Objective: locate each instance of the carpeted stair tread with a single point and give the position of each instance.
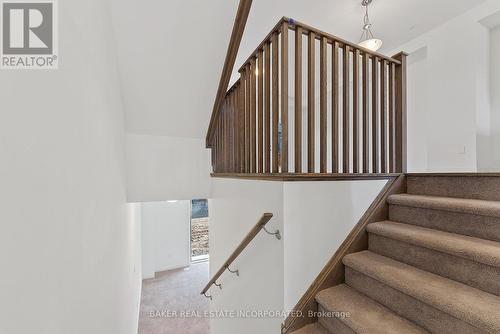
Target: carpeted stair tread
(314, 328)
(365, 315)
(463, 302)
(475, 249)
(462, 205)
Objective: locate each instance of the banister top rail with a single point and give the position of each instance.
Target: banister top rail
(244, 243)
(293, 24)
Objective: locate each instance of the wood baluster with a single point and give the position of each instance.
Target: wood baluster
(310, 102)
(212, 153)
(267, 109)
(216, 153)
(346, 106)
(214, 150)
(219, 152)
(228, 136)
(375, 113)
(241, 123)
(298, 100)
(233, 129)
(223, 141)
(247, 119)
(224, 136)
(284, 98)
(355, 111)
(401, 99)
(322, 107)
(228, 132)
(366, 116)
(335, 107)
(383, 113)
(253, 116)
(275, 111)
(260, 131)
(392, 108)
(221, 138)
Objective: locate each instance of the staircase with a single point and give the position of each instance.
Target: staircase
(432, 267)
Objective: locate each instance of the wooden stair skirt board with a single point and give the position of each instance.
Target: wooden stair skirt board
(425, 258)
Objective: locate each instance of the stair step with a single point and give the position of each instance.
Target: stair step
(468, 185)
(365, 316)
(475, 249)
(473, 310)
(461, 205)
(454, 222)
(315, 328)
(472, 261)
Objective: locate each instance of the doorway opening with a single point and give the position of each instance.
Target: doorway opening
(199, 230)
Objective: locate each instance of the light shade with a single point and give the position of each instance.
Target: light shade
(372, 44)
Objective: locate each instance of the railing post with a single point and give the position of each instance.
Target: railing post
(401, 91)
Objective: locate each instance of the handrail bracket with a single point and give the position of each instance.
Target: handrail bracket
(277, 234)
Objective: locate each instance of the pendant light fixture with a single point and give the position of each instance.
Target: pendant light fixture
(367, 40)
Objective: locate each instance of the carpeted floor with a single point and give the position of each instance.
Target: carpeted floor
(165, 297)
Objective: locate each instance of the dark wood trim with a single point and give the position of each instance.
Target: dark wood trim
(290, 177)
(260, 113)
(275, 102)
(298, 101)
(346, 139)
(306, 29)
(232, 51)
(366, 115)
(323, 117)
(253, 116)
(335, 107)
(333, 273)
(355, 112)
(284, 98)
(266, 217)
(401, 105)
(383, 116)
(375, 114)
(267, 108)
(311, 102)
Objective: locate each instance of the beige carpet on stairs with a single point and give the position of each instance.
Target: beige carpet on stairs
(432, 267)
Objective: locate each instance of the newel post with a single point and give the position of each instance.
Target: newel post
(401, 125)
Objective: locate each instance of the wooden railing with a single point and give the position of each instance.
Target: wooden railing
(261, 225)
(309, 102)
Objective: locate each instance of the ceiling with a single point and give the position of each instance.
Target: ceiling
(171, 53)
(170, 56)
(394, 21)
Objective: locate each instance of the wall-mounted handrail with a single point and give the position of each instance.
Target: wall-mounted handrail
(348, 115)
(266, 217)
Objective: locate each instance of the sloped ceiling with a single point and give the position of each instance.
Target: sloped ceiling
(171, 53)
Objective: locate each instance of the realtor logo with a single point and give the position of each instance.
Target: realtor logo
(29, 35)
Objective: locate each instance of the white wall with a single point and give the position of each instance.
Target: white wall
(492, 156)
(162, 168)
(235, 207)
(165, 236)
(68, 246)
(135, 256)
(418, 111)
(318, 217)
(454, 86)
